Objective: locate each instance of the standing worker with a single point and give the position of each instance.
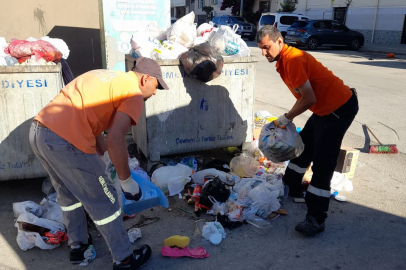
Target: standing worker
(334, 106)
(67, 135)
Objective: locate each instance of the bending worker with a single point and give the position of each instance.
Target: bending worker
(334, 106)
(67, 135)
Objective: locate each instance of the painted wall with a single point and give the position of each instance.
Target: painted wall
(77, 23)
(216, 8)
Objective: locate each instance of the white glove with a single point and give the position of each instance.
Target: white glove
(282, 121)
(130, 186)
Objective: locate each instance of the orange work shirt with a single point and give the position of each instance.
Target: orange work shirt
(296, 67)
(86, 106)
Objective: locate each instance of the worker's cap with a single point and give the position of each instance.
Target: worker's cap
(148, 66)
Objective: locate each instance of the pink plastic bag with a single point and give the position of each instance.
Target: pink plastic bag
(23, 49)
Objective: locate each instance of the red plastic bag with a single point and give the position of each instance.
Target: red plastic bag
(55, 237)
(23, 49)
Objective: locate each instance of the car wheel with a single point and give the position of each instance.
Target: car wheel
(312, 43)
(355, 44)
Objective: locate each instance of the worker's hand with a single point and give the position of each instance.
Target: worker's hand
(282, 121)
(130, 188)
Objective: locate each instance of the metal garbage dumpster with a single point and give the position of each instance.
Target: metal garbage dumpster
(193, 115)
(24, 91)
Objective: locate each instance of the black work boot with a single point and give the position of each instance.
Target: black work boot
(310, 226)
(77, 255)
(137, 260)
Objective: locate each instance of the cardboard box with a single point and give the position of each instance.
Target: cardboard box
(347, 161)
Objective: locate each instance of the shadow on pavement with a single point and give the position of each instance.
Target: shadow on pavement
(384, 64)
(356, 237)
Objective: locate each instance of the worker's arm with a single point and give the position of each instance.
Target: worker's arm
(116, 144)
(304, 103)
(101, 146)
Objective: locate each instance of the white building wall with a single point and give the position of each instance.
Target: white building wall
(216, 8)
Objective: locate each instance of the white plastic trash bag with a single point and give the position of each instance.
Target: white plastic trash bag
(341, 182)
(27, 240)
(183, 31)
(41, 222)
(198, 177)
(177, 184)
(266, 199)
(162, 176)
(213, 228)
(51, 210)
(168, 50)
(277, 186)
(27, 206)
(143, 45)
(279, 145)
(204, 31)
(229, 43)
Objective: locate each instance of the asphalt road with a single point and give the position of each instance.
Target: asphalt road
(367, 232)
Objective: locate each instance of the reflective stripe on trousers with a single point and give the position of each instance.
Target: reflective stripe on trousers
(296, 168)
(318, 192)
(108, 219)
(72, 207)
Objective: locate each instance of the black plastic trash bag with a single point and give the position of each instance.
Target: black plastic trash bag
(215, 188)
(202, 62)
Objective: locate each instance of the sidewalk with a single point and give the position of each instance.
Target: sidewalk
(384, 48)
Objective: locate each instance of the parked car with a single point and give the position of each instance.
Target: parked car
(315, 33)
(245, 29)
(281, 20)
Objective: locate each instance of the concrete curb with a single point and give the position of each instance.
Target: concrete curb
(381, 51)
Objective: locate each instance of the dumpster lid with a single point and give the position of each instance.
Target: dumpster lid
(32, 69)
(175, 62)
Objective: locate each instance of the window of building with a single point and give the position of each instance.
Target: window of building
(201, 3)
(339, 14)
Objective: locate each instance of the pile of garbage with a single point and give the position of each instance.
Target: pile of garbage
(200, 50)
(39, 225)
(248, 189)
(32, 51)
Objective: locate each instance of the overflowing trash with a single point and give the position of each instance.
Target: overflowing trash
(200, 50)
(43, 51)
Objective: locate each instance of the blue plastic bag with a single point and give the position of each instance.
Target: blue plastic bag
(190, 162)
(151, 196)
